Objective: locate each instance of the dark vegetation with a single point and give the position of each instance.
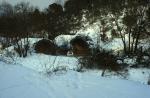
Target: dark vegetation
(23, 21)
(80, 45)
(102, 60)
(45, 46)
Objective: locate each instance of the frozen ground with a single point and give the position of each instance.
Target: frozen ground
(20, 82)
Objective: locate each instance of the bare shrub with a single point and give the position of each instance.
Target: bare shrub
(22, 46)
(60, 69)
(102, 60)
(57, 70)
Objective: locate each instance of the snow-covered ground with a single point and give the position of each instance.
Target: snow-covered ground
(20, 82)
(34, 77)
(44, 63)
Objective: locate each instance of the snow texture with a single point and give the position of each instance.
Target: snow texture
(19, 82)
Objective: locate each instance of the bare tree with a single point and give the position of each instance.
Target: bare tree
(22, 11)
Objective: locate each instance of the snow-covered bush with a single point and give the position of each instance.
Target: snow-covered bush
(22, 50)
(60, 69)
(7, 57)
(136, 61)
(56, 70)
(129, 61)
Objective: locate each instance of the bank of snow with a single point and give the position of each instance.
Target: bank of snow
(47, 63)
(44, 63)
(19, 82)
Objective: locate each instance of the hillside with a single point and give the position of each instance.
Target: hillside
(20, 82)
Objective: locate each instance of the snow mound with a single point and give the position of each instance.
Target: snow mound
(45, 63)
(62, 40)
(20, 82)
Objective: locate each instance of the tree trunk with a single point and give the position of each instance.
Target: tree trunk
(136, 41)
(129, 41)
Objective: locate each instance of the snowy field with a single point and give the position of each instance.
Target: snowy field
(48, 76)
(34, 77)
(20, 82)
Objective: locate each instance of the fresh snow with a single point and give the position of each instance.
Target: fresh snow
(43, 63)
(62, 40)
(141, 75)
(130, 61)
(115, 45)
(34, 76)
(46, 63)
(19, 82)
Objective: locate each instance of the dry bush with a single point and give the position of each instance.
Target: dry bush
(45, 46)
(102, 60)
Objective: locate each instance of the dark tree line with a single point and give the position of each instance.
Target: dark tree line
(24, 20)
